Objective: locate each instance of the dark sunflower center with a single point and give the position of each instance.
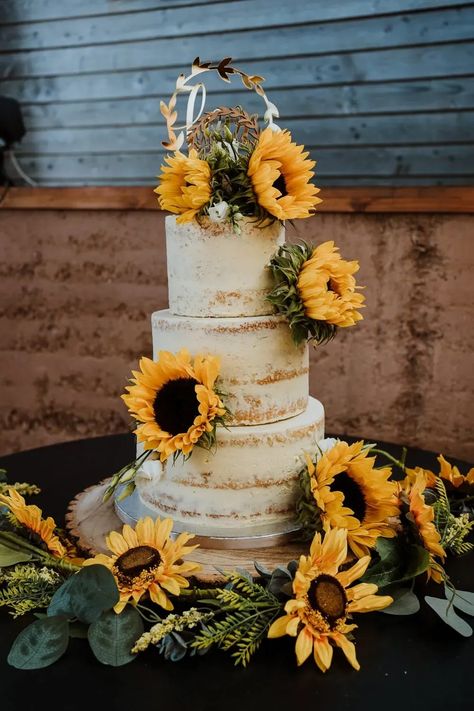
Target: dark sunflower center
(176, 405)
(134, 561)
(353, 496)
(327, 596)
(280, 185)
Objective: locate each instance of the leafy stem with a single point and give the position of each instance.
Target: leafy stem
(400, 463)
(12, 540)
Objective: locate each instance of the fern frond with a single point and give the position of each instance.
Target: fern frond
(248, 610)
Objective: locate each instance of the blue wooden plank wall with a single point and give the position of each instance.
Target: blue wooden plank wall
(381, 91)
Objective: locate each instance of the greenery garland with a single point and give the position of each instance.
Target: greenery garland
(74, 600)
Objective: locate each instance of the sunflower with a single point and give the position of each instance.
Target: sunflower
(185, 185)
(323, 601)
(418, 474)
(174, 400)
(30, 517)
(146, 560)
(422, 517)
(351, 494)
(280, 173)
(327, 287)
(450, 473)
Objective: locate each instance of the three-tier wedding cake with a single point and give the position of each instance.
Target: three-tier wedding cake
(248, 483)
(223, 413)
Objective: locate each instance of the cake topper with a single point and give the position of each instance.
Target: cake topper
(233, 169)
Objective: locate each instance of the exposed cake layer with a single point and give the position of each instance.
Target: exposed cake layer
(249, 485)
(264, 374)
(214, 272)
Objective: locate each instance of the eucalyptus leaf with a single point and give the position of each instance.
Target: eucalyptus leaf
(462, 599)
(40, 644)
(245, 574)
(405, 602)
(173, 647)
(398, 563)
(281, 577)
(292, 567)
(262, 570)
(86, 594)
(446, 611)
(12, 556)
(387, 569)
(112, 636)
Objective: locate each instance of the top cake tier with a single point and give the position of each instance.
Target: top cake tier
(214, 272)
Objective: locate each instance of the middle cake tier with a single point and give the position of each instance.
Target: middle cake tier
(263, 373)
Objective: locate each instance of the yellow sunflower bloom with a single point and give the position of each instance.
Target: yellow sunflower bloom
(318, 614)
(185, 185)
(145, 560)
(328, 289)
(30, 516)
(422, 515)
(450, 473)
(174, 400)
(281, 173)
(351, 494)
(418, 474)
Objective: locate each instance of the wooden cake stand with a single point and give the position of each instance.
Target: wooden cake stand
(89, 520)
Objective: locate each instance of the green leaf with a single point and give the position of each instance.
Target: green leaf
(398, 563)
(173, 647)
(40, 644)
(417, 562)
(405, 602)
(462, 599)
(386, 570)
(262, 570)
(112, 637)
(85, 595)
(446, 611)
(12, 556)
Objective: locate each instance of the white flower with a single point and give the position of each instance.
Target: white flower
(324, 445)
(218, 212)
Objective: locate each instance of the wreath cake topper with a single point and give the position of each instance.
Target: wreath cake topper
(232, 169)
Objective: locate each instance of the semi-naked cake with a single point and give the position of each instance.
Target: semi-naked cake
(225, 424)
(248, 484)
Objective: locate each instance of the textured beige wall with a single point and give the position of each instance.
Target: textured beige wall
(77, 289)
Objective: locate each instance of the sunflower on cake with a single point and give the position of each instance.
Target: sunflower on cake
(223, 416)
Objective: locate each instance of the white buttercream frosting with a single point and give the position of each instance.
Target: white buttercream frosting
(248, 484)
(212, 271)
(263, 373)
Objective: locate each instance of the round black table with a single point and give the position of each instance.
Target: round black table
(406, 662)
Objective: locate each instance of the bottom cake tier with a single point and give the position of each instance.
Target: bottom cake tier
(247, 487)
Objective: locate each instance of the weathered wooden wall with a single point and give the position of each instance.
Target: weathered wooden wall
(381, 91)
(77, 289)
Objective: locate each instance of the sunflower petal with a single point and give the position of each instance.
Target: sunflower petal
(304, 645)
(322, 653)
(278, 628)
(348, 648)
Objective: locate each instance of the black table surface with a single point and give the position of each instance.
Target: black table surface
(406, 662)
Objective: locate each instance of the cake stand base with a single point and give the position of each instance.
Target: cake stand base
(89, 519)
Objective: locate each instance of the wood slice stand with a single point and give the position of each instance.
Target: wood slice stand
(89, 520)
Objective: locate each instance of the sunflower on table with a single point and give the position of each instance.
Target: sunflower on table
(349, 492)
(324, 599)
(145, 561)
